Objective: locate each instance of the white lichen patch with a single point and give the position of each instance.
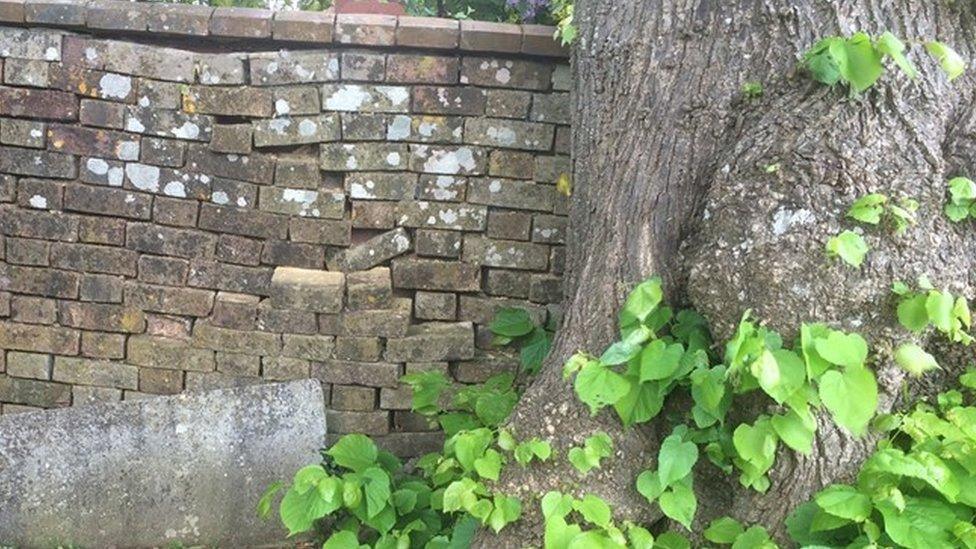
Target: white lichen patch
(348, 97)
(143, 177)
(399, 128)
(785, 218)
(134, 125)
(219, 197)
(307, 127)
(175, 189)
(282, 107)
(127, 150)
(38, 201)
(188, 130)
(116, 86)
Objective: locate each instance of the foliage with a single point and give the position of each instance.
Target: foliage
(875, 208)
(515, 326)
(857, 60)
(915, 491)
(752, 90)
(849, 246)
(918, 310)
(962, 199)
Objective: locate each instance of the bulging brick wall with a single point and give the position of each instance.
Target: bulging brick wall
(347, 200)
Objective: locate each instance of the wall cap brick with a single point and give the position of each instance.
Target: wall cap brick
(284, 26)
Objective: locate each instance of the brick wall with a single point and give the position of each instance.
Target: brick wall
(180, 210)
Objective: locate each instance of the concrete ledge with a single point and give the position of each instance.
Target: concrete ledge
(317, 28)
(188, 468)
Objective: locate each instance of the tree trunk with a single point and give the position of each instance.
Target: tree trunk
(670, 179)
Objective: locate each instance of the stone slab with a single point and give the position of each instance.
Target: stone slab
(187, 469)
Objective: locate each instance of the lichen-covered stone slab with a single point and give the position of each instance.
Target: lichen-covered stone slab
(185, 469)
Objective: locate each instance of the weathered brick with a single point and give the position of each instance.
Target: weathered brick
(358, 348)
(513, 134)
(303, 26)
(421, 69)
(435, 306)
(293, 254)
(381, 185)
(297, 173)
(38, 281)
(293, 67)
(110, 15)
(432, 342)
(145, 237)
(235, 341)
(237, 249)
(232, 138)
(481, 310)
(549, 229)
(82, 371)
(358, 126)
(508, 103)
(505, 253)
(510, 193)
(370, 374)
(430, 274)
(221, 69)
(372, 252)
(427, 32)
(348, 397)
(37, 338)
(373, 215)
(166, 123)
(539, 40)
(367, 423)
(160, 381)
(163, 270)
(40, 194)
(508, 283)
(370, 289)
(231, 278)
(238, 364)
(454, 100)
(439, 215)
(23, 133)
(31, 392)
(31, 224)
(509, 225)
(320, 231)
(114, 202)
(490, 36)
(484, 367)
(363, 66)
(33, 43)
(102, 114)
(171, 211)
(171, 354)
(94, 259)
(83, 395)
(227, 191)
(100, 288)
(425, 128)
(237, 311)
(95, 84)
(511, 164)
(37, 163)
(285, 320)
(173, 327)
(445, 244)
(241, 22)
(22, 251)
(392, 322)
(550, 107)
(546, 289)
(102, 345)
(365, 98)
(105, 317)
(244, 222)
(300, 202)
(296, 130)
(255, 168)
(412, 422)
(163, 152)
(281, 368)
(179, 19)
(363, 156)
(447, 160)
(33, 310)
(365, 29)
(29, 365)
(446, 188)
(167, 300)
(307, 289)
(55, 12)
(228, 101)
(310, 347)
(505, 73)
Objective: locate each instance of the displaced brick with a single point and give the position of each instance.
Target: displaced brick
(374, 251)
(237, 311)
(392, 322)
(373, 215)
(307, 289)
(370, 289)
(241, 22)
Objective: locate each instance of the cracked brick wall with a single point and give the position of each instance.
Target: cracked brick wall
(223, 197)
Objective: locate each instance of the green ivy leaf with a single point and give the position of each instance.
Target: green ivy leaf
(809, 334)
(911, 312)
(868, 208)
(598, 386)
(354, 452)
(534, 350)
(649, 485)
(780, 373)
(938, 306)
(675, 459)
(426, 388)
(756, 537)
(848, 350)
(642, 402)
(267, 499)
(641, 302)
(679, 504)
(859, 63)
(507, 510)
(723, 530)
(659, 360)
(894, 48)
(914, 360)
(671, 540)
(794, 431)
(511, 322)
(849, 246)
(851, 397)
(532, 448)
(844, 502)
(376, 485)
(489, 465)
(343, 539)
(299, 511)
(950, 61)
(595, 448)
(594, 510)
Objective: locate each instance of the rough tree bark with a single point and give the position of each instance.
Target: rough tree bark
(669, 179)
